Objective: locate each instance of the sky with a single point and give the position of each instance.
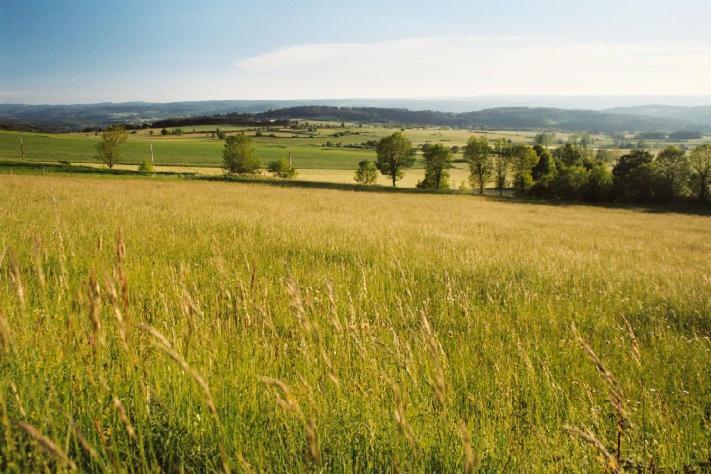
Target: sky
(83, 51)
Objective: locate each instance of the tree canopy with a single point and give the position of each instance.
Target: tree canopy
(395, 154)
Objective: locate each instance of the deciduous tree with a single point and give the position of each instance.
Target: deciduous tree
(238, 155)
(109, 147)
(477, 154)
(366, 173)
(395, 154)
(437, 164)
(700, 162)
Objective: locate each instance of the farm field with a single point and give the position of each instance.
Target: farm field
(197, 151)
(176, 325)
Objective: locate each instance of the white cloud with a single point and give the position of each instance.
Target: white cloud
(461, 66)
(468, 66)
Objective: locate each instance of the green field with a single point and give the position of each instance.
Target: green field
(198, 149)
(162, 325)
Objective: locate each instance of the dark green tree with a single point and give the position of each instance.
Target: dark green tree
(673, 164)
(544, 165)
(437, 164)
(395, 154)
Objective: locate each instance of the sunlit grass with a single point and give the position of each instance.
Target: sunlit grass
(293, 329)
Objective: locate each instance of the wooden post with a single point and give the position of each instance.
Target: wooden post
(152, 162)
(289, 158)
(22, 149)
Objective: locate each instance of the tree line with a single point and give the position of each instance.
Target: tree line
(573, 171)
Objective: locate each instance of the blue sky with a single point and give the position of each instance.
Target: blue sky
(87, 51)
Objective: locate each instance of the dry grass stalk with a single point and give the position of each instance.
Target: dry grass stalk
(5, 341)
(94, 293)
(16, 394)
(283, 396)
(285, 399)
(613, 387)
(124, 418)
(86, 446)
(164, 345)
(636, 354)
(335, 320)
(610, 461)
(400, 418)
(436, 352)
(469, 458)
(312, 440)
(297, 302)
(16, 276)
(47, 445)
(614, 391)
(113, 298)
(38, 260)
(120, 263)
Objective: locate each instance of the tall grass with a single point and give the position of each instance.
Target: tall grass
(198, 326)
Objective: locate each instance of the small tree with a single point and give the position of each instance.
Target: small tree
(395, 154)
(238, 155)
(502, 159)
(281, 168)
(437, 162)
(366, 173)
(700, 162)
(477, 155)
(108, 148)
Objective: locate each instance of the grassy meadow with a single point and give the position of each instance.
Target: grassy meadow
(150, 324)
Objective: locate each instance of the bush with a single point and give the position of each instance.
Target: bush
(238, 156)
(282, 169)
(366, 173)
(146, 167)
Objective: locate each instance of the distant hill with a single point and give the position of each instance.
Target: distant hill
(633, 119)
(506, 118)
(699, 114)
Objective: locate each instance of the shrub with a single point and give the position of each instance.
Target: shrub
(238, 156)
(281, 168)
(366, 173)
(146, 167)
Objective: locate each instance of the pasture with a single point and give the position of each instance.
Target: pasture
(169, 325)
(328, 152)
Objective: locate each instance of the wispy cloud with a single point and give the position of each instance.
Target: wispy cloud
(470, 65)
